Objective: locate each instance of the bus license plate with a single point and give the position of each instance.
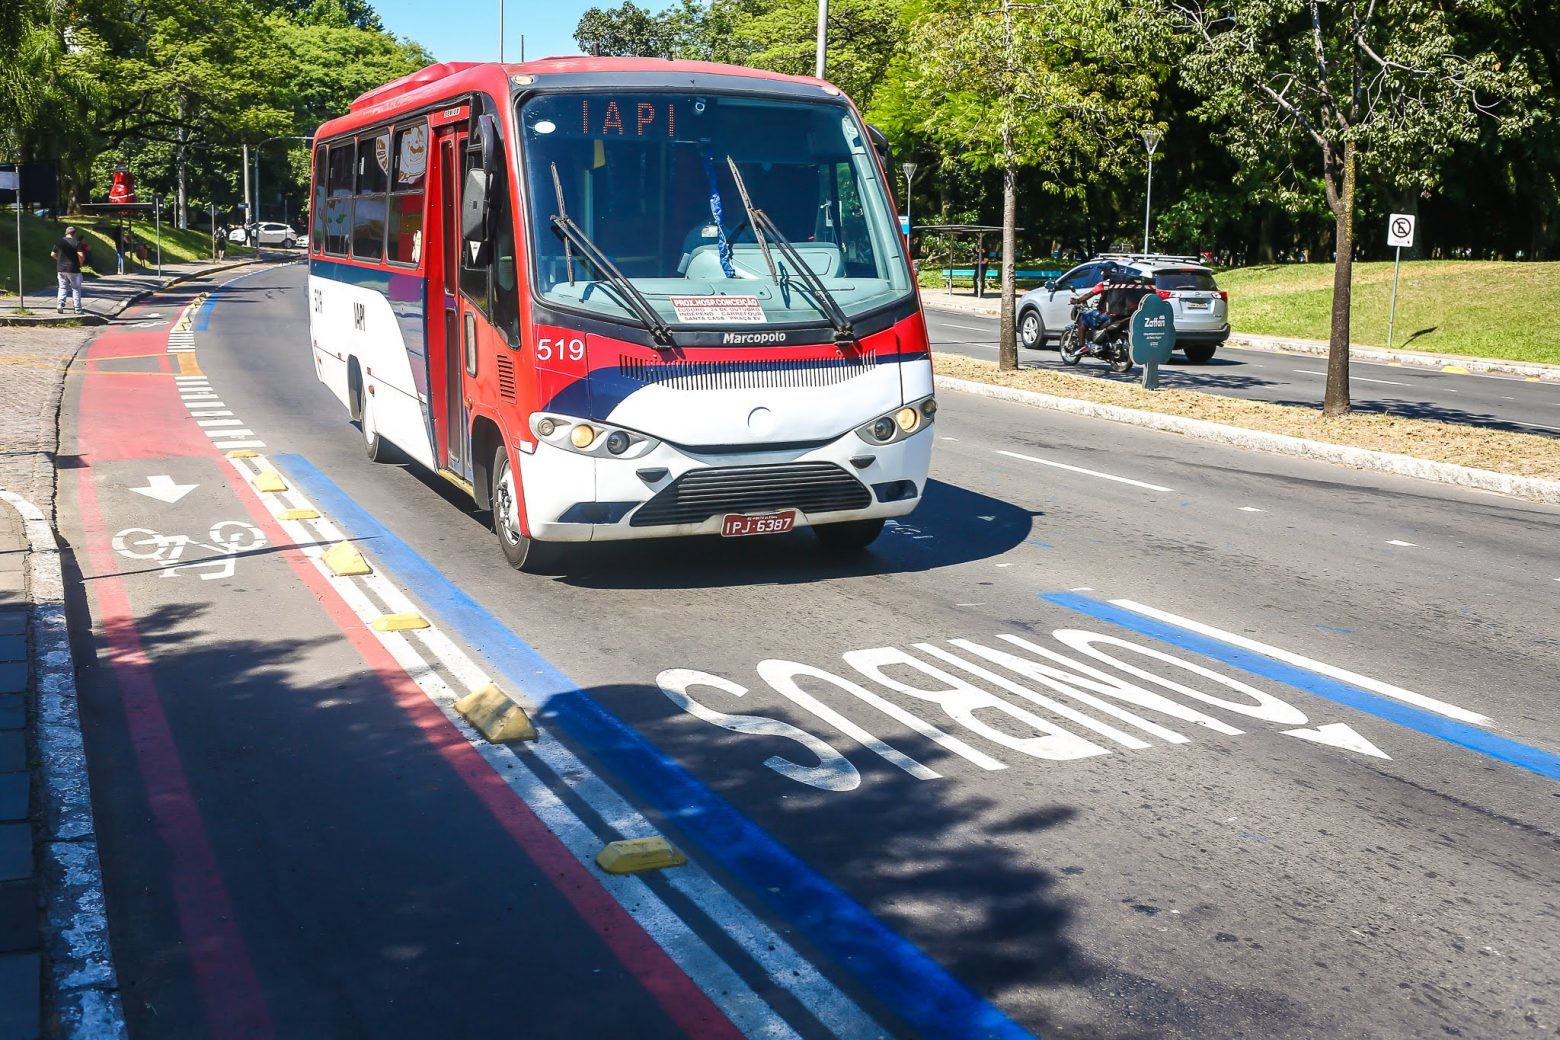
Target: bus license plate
(736, 525)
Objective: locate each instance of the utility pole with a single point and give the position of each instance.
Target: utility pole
(249, 213)
(823, 35)
(181, 215)
(909, 169)
(500, 32)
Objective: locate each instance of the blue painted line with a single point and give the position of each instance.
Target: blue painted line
(1491, 745)
(203, 316)
(906, 980)
(1036, 541)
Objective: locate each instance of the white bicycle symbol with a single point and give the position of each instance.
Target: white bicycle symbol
(226, 540)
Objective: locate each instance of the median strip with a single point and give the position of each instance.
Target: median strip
(1518, 464)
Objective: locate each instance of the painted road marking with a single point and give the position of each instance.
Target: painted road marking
(226, 540)
(1434, 718)
(1339, 735)
(1080, 469)
(1364, 682)
(1352, 378)
(1252, 509)
(918, 988)
(163, 489)
(1537, 426)
(780, 961)
(966, 328)
(1401, 544)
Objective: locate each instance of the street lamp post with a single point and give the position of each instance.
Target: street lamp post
(254, 217)
(823, 36)
(909, 169)
(1151, 139)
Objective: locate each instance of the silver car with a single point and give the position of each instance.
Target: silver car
(1201, 308)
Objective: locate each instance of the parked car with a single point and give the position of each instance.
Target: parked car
(1200, 307)
(269, 234)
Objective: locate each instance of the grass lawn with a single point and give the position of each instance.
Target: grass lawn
(1479, 308)
(39, 236)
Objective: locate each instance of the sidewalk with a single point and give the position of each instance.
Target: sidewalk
(102, 299)
(56, 971)
(964, 301)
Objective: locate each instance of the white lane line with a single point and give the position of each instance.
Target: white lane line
(224, 445)
(1365, 682)
(207, 415)
(219, 434)
(781, 962)
(1252, 509)
(204, 423)
(1085, 472)
(1352, 378)
(1538, 426)
(966, 328)
(1402, 544)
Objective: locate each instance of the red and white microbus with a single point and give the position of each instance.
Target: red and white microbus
(624, 298)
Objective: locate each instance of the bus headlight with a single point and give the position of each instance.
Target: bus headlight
(902, 422)
(590, 438)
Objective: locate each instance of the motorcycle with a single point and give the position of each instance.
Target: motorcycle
(1109, 342)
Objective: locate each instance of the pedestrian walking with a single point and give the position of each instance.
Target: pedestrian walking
(219, 242)
(980, 271)
(119, 251)
(67, 265)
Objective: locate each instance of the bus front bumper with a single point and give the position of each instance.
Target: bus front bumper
(670, 493)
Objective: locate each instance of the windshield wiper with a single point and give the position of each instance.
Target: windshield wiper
(824, 300)
(635, 300)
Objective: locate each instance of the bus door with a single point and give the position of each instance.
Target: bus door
(452, 429)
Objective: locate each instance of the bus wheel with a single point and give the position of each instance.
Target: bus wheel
(523, 554)
(374, 446)
(850, 536)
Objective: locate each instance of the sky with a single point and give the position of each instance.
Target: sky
(468, 31)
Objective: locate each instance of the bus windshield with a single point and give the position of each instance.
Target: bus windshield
(648, 178)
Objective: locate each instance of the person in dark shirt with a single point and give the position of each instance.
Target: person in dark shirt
(67, 264)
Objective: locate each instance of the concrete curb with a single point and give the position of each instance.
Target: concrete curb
(1531, 488)
(82, 990)
(92, 319)
(1416, 358)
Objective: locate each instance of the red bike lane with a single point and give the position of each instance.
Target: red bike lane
(296, 842)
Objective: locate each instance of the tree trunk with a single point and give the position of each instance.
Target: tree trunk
(1337, 400)
(1007, 335)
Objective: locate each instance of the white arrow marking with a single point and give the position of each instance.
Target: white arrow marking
(1339, 735)
(162, 488)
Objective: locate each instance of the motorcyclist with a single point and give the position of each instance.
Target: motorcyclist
(1118, 292)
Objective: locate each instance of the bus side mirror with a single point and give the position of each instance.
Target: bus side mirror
(474, 217)
(880, 145)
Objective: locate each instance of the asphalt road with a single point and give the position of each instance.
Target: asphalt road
(1126, 823)
(1497, 402)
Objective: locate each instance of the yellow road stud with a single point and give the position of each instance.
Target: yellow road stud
(298, 514)
(635, 855)
(242, 453)
(270, 480)
(398, 622)
(345, 561)
(495, 716)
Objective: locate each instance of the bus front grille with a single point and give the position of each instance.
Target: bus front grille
(694, 497)
(745, 375)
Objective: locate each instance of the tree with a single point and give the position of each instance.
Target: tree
(1060, 88)
(1378, 83)
(625, 31)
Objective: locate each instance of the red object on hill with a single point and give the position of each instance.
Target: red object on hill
(123, 189)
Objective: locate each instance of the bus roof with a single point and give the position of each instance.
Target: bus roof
(444, 79)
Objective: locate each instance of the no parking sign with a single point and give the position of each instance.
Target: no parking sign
(1400, 230)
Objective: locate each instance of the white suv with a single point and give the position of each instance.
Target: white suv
(1201, 308)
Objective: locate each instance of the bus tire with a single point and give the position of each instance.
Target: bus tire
(524, 554)
(374, 445)
(848, 536)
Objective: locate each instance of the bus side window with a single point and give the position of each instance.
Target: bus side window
(321, 175)
(406, 195)
(338, 204)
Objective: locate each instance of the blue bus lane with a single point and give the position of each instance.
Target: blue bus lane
(847, 795)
